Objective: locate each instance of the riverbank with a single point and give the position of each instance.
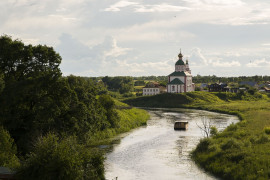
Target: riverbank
(241, 151)
(129, 118)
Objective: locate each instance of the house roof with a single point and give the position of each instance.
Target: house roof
(176, 81)
(249, 83)
(178, 73)
(152, 85)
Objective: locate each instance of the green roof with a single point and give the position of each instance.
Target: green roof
(180, 62)
(178, 73)
(176, 81)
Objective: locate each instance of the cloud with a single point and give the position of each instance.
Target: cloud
(197, 58)
(259, 63)
(226, 64)
(121, 4)
(159, 8)
(143, 8)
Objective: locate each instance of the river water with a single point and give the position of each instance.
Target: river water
(158, 152)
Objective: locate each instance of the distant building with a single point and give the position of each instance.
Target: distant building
(181, 79)
(218, 87)
(153, 88)
(249, 83)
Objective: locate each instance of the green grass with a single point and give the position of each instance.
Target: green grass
(129, 118)
(242, 150)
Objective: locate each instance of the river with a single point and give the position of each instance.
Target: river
(158, 152)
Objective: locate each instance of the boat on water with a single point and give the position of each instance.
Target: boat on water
(181, 125)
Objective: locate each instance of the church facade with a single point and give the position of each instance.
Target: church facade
(181, 79)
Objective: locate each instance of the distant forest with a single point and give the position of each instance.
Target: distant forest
(195, 79)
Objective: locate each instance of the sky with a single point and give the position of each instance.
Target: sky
(143, 38)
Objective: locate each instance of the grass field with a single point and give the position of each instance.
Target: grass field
(241, 151)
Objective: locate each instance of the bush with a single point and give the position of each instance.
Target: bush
(61, 159)
(231, 144)
(203, 145)
(267, 130)
(263, 139)
(232, 127)
(213, 131)
(8, 150)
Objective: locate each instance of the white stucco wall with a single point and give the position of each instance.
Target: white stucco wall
(150, 91)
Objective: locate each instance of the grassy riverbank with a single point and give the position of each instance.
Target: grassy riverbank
(129, 118)
(239, 152)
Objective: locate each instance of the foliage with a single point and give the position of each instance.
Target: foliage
(213, 131)
(8, 150)
(122, 84)
(139, 83)
(53, 158)
(267, 130)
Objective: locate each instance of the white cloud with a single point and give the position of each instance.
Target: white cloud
(116, 51)
(197, 58)
(226, 64)
(160, 8)
(259, 63)
(121, 4)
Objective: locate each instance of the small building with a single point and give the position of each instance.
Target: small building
(218, 87)
(267, 89)
(249, 83)
(153, 88)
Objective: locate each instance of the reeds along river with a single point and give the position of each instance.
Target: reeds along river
(157, 152)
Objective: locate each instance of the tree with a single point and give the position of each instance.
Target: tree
(109, 105)
(54, 158)
(30, 74)
(206, 126)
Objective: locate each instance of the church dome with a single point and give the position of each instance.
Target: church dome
(180, 60)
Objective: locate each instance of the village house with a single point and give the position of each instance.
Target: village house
(181, 79)
(153, 88)
(249, 83)
(218, 87)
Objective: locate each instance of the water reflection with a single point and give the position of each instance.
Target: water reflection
(158, 152)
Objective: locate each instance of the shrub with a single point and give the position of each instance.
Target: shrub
(263, 139)
(232, 127)
(267, 130)
(8, 150)
(203, 145)
(61, 159)
(213, 131)
(231, 144)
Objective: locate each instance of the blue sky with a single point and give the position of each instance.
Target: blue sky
(140, 38)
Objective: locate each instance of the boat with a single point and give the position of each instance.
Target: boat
(181, 125)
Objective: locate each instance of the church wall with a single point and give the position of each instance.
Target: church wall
(176, 89)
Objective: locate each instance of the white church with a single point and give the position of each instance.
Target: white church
(181, 79)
